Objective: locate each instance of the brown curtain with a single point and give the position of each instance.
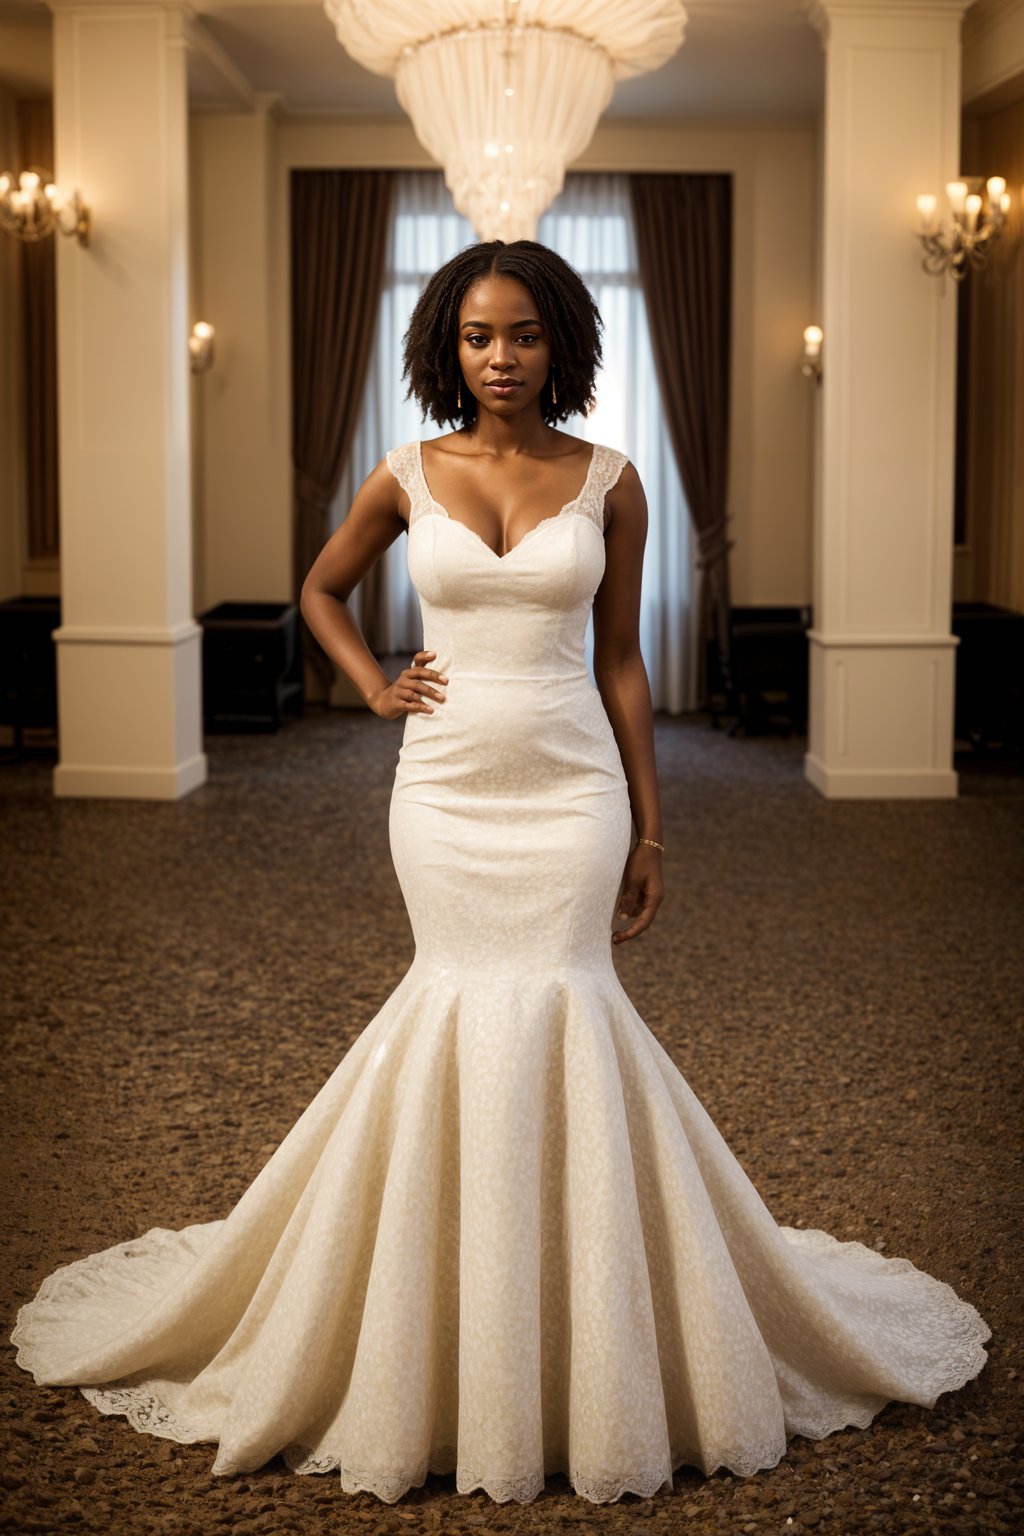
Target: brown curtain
(683, 229)
(339, 229)
(39, 330)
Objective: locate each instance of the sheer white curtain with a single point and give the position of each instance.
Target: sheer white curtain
(591, 226)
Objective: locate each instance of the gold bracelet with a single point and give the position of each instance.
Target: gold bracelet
(651, 843)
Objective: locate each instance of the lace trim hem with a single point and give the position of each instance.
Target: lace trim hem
(145, 1412)
(134, 1398)
(965, 1323)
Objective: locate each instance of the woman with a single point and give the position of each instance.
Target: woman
(505, 1238)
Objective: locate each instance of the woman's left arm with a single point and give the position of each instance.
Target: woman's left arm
(622, 682)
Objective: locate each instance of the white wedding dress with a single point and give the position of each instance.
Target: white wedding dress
(504, 1239)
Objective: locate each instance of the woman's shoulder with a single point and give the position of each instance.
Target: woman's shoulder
(405, 456)
(412, 446)
(602, 456)
(412, 450)
(571, 442)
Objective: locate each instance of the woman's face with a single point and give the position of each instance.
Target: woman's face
(504, 351)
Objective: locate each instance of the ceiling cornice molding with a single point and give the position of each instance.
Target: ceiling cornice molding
(187, 28)
(754, 8)
(985, 15)
(649, 126)
(256, 5)
(183, 8)
(821, 13)
(201, 40)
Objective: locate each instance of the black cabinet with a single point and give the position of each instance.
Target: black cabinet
(769, 674)
(28, 664)
(766, 689)
(989, 677)
(252, 665)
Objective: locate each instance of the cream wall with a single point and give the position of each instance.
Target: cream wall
(12, 452)
(244, 435)
(775, 221)
(242, 405)
(195, 290)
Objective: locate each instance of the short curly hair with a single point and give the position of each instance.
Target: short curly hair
(567, 312)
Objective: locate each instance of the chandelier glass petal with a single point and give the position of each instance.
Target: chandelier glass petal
(504, 94)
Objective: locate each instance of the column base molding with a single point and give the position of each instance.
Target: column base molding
(109, 782)
(130, 712)
(881, 718)
(880, 783)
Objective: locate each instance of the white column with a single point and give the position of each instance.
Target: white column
(245, 527)
(882, 654)
(128, 649)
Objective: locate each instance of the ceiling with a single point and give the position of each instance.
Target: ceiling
(740, 59)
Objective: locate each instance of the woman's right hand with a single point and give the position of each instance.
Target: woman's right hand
(408, 693)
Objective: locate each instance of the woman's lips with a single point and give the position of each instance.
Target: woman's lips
(503, 386)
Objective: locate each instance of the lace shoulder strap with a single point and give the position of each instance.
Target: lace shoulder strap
(605, 470)
(404, 464)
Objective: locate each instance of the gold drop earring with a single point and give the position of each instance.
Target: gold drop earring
(458, 395)
(554, 392)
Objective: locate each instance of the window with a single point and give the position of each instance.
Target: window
(590, 224)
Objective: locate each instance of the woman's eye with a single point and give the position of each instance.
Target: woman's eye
(483, 341)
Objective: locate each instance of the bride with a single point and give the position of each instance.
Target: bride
(505, 1238)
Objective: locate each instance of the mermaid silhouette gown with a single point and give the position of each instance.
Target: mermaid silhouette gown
(505, 1238)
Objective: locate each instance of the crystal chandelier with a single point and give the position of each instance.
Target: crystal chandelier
(965, 238)
(504, 94)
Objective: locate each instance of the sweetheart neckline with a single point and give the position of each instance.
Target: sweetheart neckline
(552, 518)
(562, 516)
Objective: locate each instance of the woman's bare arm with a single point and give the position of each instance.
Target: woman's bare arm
(374, 522)
(622, 681)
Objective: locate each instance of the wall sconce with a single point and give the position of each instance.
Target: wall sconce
(36, 207)
(200, 346)
(813, 338)
(966, 236)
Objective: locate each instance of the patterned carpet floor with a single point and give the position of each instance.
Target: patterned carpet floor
(841, 983)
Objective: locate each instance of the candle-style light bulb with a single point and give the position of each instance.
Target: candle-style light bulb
(995, 187)
(956, 191)
(972, 208)
(813, 338)
(926, 208)
(1004, 202)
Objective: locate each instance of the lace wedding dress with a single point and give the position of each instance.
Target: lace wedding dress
(505, 1238)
